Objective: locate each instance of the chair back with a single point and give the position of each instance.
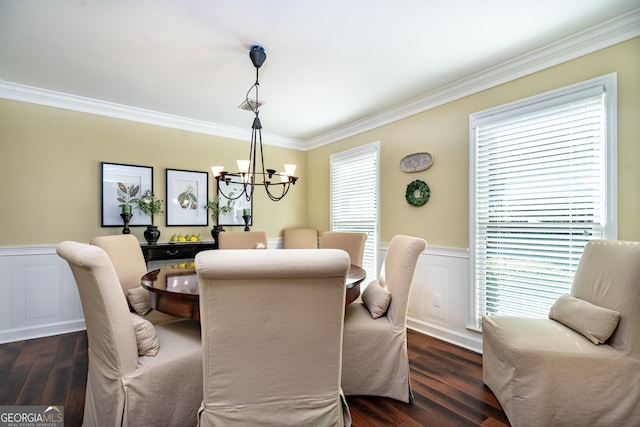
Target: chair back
(300, 238)
(113, 351)
(353, 243)
(272, 325)
(396, 274)
(126, 256)
(242, 240)
(608, 275)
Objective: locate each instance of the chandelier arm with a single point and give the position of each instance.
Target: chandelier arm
(228, 196)
(285, 190)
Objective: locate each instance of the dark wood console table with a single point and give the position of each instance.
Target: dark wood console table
(167, 251)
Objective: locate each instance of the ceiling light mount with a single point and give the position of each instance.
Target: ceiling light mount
(257, 55)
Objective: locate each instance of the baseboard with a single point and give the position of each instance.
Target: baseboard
(39, 331)
(471, 341)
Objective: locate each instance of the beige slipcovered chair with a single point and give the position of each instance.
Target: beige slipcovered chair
(300, 238)
(353, 243)
(128, 260)
(242, 240)
(569, 371)
(139, 374)
(375, 361)
(272, 337)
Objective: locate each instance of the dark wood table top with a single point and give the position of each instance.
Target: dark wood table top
(174, 290)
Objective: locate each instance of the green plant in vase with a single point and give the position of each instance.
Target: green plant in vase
(150, 205)
(215, 210)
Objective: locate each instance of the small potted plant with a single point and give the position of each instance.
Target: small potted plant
(215, 209)
(150, 205)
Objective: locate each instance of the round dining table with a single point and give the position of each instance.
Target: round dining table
(174, 290)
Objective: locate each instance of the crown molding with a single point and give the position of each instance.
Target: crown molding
(33, 95)
(617, 30)
(612, 32)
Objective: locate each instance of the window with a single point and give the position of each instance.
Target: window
(543, 183)
(354, 198)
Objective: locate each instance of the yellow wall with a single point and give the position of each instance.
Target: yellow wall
(50, 172)
(50, 163)
(443, 132)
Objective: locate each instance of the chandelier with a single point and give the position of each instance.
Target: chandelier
(276, 184)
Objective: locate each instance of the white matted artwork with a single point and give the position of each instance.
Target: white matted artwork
(187, 197)
(232, 204)
(123, 185)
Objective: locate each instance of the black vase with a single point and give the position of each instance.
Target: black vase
(152, 234)
(215, 232)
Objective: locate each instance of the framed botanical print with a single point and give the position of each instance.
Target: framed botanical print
(121, 186)
(232, 208)
(187, 197)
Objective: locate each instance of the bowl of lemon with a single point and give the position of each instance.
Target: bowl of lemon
(187, 238)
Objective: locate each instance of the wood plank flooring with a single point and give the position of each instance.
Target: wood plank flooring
(447, 384)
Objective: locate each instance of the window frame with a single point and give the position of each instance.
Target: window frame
(540, 102)
(371, 244)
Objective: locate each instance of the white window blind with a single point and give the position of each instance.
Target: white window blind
(539, 195)
(354, 198)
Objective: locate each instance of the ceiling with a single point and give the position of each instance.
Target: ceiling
(329, 63)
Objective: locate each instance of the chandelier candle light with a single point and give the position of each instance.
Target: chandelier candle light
(248, 174)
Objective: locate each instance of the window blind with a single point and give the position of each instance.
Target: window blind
(354, 198)
(539, 197)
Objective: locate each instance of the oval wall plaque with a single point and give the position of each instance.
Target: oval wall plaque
(416, 162)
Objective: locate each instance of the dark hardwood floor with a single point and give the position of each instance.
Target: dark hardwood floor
(447, 384)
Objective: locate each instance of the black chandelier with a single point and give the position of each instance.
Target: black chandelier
(276, 184)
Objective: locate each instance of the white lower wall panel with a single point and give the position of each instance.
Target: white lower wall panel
(41, 297)
(40, 294)
(440, 299)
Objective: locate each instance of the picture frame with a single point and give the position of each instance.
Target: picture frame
(187, 197)
(237, 205)
(124, 182)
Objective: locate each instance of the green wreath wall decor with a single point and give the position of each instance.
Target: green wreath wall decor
(417, 187)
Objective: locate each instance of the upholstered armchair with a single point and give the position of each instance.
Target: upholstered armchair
(581, 366)
(139, 374)
(352, 243)
(300, 238)
(272, 337)
(242, 240)
(127, 258)
(375, 361)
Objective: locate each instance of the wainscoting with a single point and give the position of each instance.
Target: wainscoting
(40, 296)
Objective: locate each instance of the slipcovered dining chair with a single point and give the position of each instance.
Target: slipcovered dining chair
(272, 337)
(127, 258)
(375, 361)
(353, 243)
(300, 238)
(580, 366)
(242, 240)
(138, 374)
